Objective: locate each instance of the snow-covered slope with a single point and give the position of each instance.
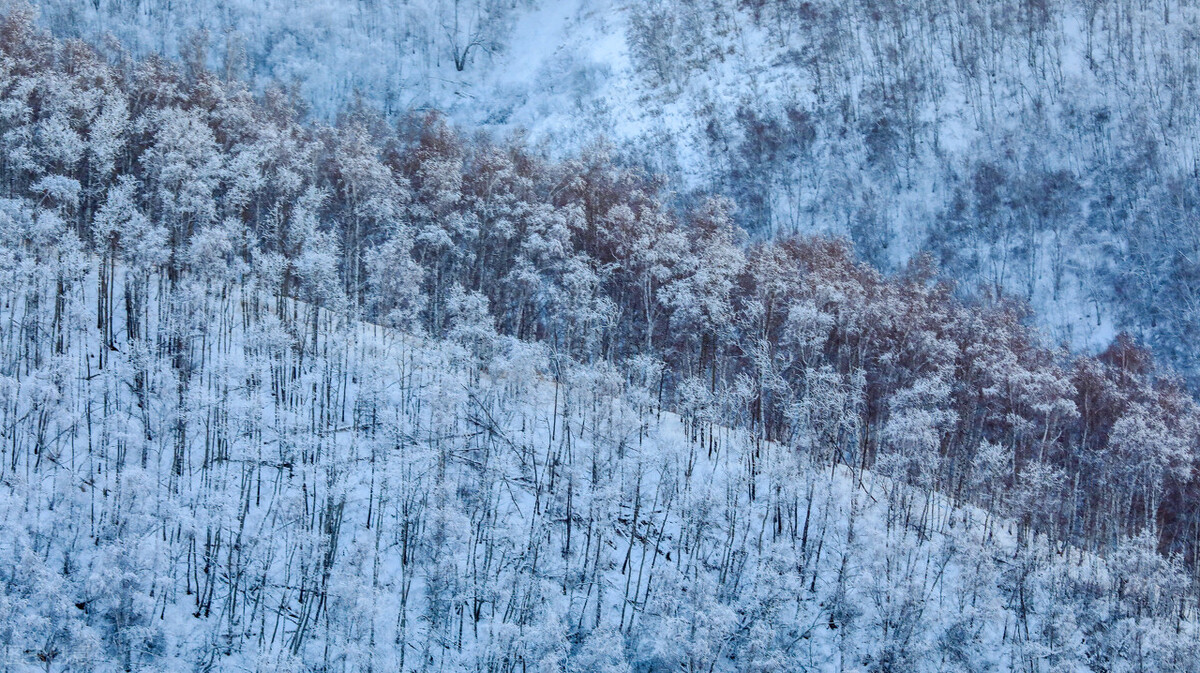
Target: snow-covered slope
(298, 491)
(200, 471)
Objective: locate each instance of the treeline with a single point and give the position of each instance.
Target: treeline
(157, 165)
(1045, 147)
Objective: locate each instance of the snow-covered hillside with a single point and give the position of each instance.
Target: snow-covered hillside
(1046, 148)
(381, 394)
(321, 494)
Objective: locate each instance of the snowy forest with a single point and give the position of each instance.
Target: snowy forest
(1049, 148)
(295, 385)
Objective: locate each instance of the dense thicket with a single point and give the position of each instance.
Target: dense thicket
(183, 264)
